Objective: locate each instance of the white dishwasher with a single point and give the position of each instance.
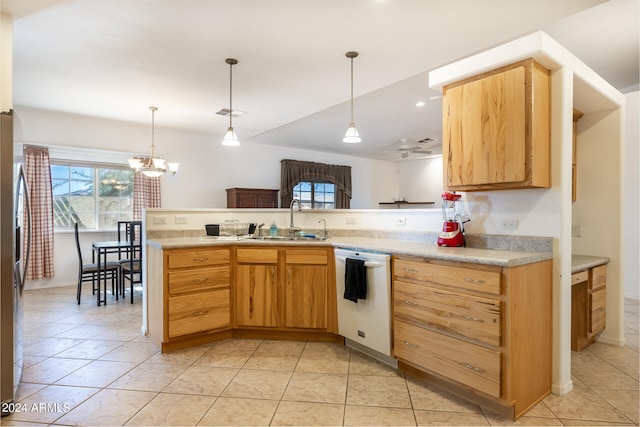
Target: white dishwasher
(366, 325)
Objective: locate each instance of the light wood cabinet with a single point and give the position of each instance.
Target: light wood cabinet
(189, 294)
(251, 198)
(588, 305)
(283, 288)
(306, 288)
(482, 331)
(257, 287)
(496, 130)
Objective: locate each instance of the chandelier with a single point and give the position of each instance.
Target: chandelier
(153, 166)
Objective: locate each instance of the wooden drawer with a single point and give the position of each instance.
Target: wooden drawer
(472, 365)
(198, 258)
(597, 315)
(460, 277)
(203, 311)
(598, 277)
(198, 279)
(257, 256)
(579, 277)
(472, 317)
(306, 256)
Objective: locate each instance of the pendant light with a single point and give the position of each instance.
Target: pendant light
(351, 136)
(153, 166)
(230, 138)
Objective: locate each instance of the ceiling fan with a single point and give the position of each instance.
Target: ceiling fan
(405, 148)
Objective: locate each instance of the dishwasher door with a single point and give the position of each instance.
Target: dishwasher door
(366, 325)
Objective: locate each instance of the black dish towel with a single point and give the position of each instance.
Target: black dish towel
(355, 280)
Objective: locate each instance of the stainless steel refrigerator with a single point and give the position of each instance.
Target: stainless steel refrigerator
(15, 242)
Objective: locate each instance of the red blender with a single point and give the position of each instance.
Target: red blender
(454, 217)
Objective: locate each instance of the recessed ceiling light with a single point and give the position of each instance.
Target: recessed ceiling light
(420, 104)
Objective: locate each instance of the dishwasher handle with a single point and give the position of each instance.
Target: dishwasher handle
(372, 264)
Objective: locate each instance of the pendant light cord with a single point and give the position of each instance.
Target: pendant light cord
(231, 95)
(351, 90)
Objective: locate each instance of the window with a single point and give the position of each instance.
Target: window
(315, 195)
(95, 196)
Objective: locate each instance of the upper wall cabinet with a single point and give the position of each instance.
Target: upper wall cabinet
(496, 129)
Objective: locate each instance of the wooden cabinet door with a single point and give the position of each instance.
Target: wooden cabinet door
(256, 295)
(306, 296)
(484, 122)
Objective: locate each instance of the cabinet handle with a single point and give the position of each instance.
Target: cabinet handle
(200, 313)
(475, 319)
(200, 280)
(201, 259)
(470, 280)
(410, 270)
(473, 368)
(410, 302)
(408, 344)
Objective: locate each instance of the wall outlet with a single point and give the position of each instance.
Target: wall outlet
(509, 224)
(400, 220)
(576, 230)
(350, 220)
(181, 219)
(159, 219)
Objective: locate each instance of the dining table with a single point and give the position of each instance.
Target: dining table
(101, 250)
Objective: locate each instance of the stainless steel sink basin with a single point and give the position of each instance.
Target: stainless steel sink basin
(291, 238)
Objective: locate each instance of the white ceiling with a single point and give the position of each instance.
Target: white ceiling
(114, 58)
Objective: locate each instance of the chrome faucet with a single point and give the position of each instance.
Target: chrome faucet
(292, 228)
(324, 234)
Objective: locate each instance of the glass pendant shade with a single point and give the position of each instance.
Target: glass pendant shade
(351, 136)
(230, 138)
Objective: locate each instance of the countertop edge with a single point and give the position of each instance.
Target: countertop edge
(503, 258)
(584, 262)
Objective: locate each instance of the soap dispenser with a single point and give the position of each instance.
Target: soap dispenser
(273, 230)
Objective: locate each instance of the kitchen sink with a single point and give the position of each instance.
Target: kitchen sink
(291, 238)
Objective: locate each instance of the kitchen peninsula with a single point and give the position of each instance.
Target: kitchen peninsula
(201, 289)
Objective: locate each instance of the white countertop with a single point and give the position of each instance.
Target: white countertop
(503, 258)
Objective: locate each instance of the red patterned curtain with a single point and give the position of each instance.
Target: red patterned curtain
(38, 174)
(146, 194)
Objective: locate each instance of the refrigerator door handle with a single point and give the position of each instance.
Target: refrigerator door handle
(22, 185)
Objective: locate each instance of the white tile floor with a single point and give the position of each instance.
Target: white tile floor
(88, 365)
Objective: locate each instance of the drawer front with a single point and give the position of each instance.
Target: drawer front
(198, 258)
(198, 279)
(466, 363)
(597, 302)
(306, 256)
(257, 256)
(598, 276)
(472, 317)
(579, 277)
(193, 313)
(460, 277)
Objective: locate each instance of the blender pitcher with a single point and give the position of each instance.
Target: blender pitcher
(454, 217)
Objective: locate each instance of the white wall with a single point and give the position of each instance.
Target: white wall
(630, 198)
(206, 168)
(420, 180)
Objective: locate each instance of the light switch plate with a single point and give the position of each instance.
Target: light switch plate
(159, 219)
(509, 224)
(181, 219)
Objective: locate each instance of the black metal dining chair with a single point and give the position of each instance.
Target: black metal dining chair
(89, 272)
(131, 267)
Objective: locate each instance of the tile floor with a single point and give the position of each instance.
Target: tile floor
(88, 365)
